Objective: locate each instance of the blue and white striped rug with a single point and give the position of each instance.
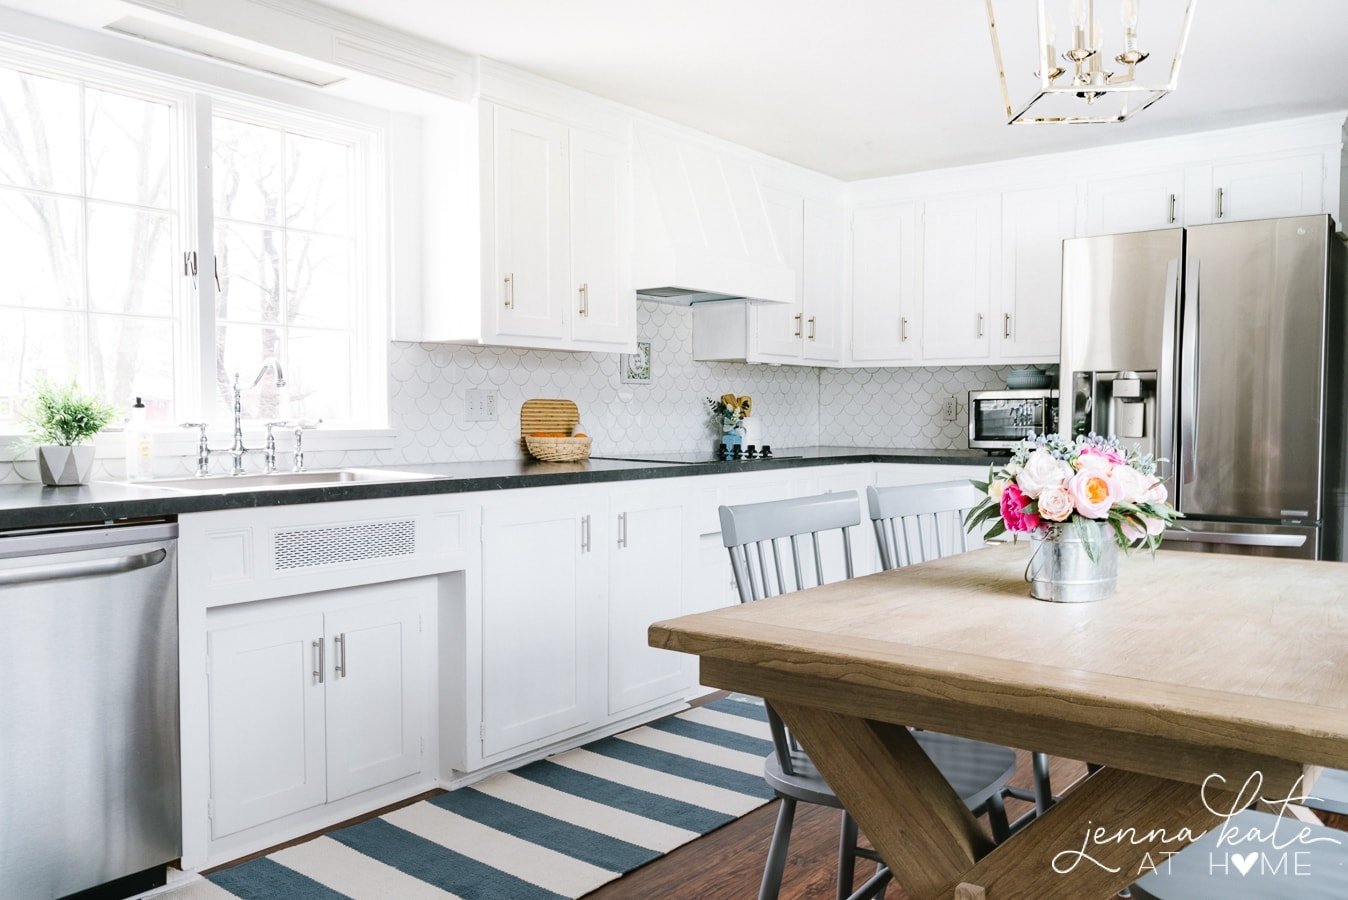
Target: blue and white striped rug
(557, 828)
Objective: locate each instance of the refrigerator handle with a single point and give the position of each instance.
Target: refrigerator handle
(1189, 375)
(1165, 413)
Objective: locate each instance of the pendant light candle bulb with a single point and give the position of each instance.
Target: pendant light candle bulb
(1128, 16)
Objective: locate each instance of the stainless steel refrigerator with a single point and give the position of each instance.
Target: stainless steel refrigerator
(1220, 350)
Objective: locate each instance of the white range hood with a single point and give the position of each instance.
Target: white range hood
(702, 230)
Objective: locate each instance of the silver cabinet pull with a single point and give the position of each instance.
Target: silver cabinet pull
(903, 329)
(339, 645)
(1006, 326)
(1171, 218)
(980, 324)
(584, 534)
(622, 530)
(510, 291)
(318, 660)
(796, 319)
(585, 300)
(812, 328)
(1221, 202)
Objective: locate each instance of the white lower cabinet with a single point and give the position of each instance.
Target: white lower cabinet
(313, 699)
(543, 574)
(652, 550)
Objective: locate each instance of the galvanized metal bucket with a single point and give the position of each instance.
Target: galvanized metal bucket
(1061, 568)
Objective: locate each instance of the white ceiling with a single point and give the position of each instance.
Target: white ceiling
(861, 88)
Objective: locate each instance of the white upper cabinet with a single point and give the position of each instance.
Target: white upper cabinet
(1034, 225)
(558, 262)
(532, 283)
(601, 241)
(1140, 202)
(886, 319)
(1268, 188)
(824, 276)
(780, 327)
(959, 253)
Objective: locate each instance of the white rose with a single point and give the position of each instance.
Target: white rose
(1156, 492)
(995, 489)
(1055, 504)
(1133, 485)
(1041, 472)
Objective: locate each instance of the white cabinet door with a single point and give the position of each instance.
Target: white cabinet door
(652, 551)
(543, 567)
(779, 328)
(373, 695)
(824, 275)
(604, 302)
(1134, 202)
(959, 247)
(1034, 225)
(1269, 188)
(885, 321)
(266, 720)
(533, 284)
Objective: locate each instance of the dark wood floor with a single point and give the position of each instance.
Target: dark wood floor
(728, 863)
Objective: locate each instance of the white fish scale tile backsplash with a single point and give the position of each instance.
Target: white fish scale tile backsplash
(795, 405)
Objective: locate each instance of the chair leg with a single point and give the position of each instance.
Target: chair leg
(1043, 790)
(781, 838)
(1001, 829)
(847, 856)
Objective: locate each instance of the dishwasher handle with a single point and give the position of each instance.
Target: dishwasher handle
(83, 569)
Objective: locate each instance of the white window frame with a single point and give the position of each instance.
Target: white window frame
(168, 77)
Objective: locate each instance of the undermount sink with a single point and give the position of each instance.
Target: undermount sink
(216, 484)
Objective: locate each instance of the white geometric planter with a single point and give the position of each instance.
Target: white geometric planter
(64, 466)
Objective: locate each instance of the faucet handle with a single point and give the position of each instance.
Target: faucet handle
(202, 425)
(281, 423)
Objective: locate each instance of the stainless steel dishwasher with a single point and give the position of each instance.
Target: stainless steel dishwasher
(89, 766)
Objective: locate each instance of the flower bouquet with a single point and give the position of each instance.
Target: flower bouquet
(1083, 493)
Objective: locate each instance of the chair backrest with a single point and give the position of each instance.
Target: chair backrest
(754, 534)
(916, 523)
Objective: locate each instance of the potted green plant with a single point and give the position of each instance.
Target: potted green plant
(60, 419)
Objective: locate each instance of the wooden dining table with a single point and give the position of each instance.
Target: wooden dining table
(1205, 681)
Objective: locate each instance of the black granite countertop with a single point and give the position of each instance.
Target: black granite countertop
(36, 506)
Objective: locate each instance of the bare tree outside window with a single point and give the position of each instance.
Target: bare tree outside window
(286, 250)
(87, 218)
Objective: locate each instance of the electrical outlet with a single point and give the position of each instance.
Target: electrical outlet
(479, 405)
(950, 410)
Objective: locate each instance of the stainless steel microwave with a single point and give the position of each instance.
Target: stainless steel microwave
(999, 420)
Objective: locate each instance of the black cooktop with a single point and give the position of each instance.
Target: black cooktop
(694, 457)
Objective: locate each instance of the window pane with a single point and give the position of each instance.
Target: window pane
(36, 344)
(247, 171)
(319, 374)
(130, 144)
(133, 357)
(242, 349)
(318, 192)
(40, 262)
(250, 273)
(319, 280)
(131, 266)
(39, 132)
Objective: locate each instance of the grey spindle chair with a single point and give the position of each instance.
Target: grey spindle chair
(784, 546)
(920, 522)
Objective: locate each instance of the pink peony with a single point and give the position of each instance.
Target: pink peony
(1093, 493)
(1013, 510)
(1132, 484)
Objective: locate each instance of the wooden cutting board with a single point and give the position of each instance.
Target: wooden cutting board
(548, 415)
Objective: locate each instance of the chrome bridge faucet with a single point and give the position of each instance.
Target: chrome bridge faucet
(237, 450)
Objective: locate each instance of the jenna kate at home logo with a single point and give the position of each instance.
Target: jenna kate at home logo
(1283, 847)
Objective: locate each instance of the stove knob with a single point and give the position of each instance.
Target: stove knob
(751, 451)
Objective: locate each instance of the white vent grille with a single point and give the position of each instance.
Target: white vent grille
(309, 548)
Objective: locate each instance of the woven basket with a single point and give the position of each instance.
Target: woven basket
(558, 449)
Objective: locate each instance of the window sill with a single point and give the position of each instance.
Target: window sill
(183, 442)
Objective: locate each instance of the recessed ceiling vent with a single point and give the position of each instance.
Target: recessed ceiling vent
(224, 51)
